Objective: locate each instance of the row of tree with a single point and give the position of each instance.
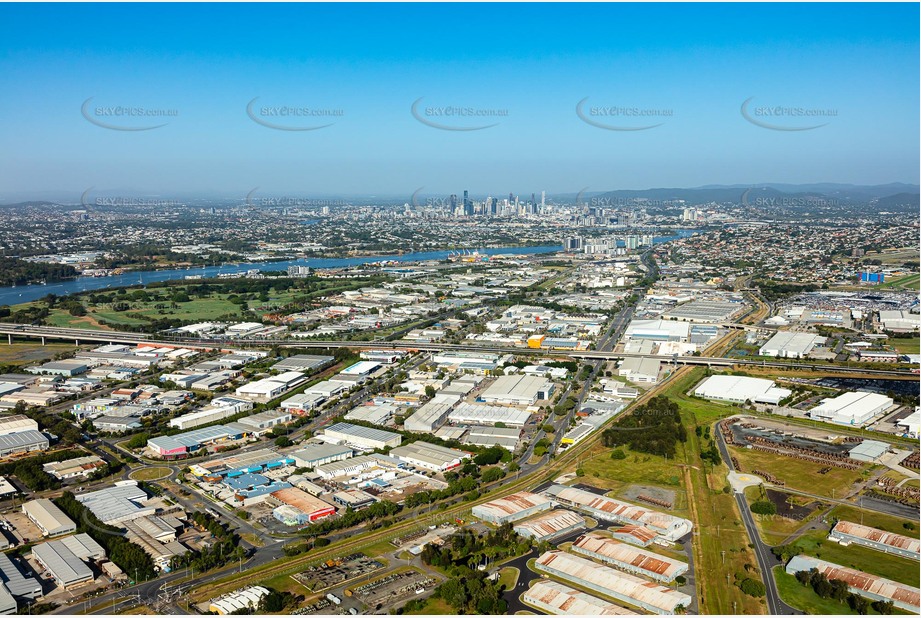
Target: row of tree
(653, 428)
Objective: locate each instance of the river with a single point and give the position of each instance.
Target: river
(26, 293)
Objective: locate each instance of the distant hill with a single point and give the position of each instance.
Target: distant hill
(899, 201)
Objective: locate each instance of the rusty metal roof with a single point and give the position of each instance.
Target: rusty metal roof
(622, 510)
(550, 523)
(878, 536)
(900, 593)
(623, 585)
(511, 505)
(560, 598)
(605, 548)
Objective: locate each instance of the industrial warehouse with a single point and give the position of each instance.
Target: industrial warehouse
(609, 509)
(362, 437)
(865, 584)
(854, 408)
(556, 598)
(430, 456)
(741, 389)
(609, 582)
(520, 390)
(550, 525)
(512, 508)
(49, 518)
(847, 532)
(630, 559)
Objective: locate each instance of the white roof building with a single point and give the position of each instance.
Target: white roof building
(517, 390)
(739, 389)
(430, 456)
(49, 518)
(477, 414)
(857, 408)
(786, 344)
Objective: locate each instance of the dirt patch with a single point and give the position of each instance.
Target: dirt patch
(638, 493)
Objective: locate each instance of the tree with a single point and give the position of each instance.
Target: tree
(283, 441)
(763, 507)
(430, 391)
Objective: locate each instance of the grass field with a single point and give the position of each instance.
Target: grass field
(908, 282)
(804, 598)
(433, 607)
(775, 529)
(150, 474)
(891, 567)
(29, 353)
(889, 523)
(906, 346)
(801, 475)
(508, 577)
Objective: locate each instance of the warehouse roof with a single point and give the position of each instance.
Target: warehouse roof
(549, 524)
(907, 595)
(22, 438)
(523, 387)
(434, 454)
(564, 599)
(740, 388)
(84, 547)
(851, 406)
(506, 437)
(878, 536)
(301, 500)
(18, 584)
(64, 566)
(513, 504)
(621, 584)
(302, 361)
(621, 510)
(48, 516)
(606, 548)
(480, 414)
(318, 451)
(114, 503)
(17, 422)
(359, 431)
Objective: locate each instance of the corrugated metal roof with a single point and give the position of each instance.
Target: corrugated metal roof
(878, 536)
(874, 584)
(511, 505)
(639, 591)
(48, 516)
(549, 524)
(620, 510)
(17, 583)
(558, 598)
(597, 546)
(359, 431)
(84, 547)
(63, 564)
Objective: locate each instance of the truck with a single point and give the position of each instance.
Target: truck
(333, 598)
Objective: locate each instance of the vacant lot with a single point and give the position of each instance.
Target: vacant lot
(803, 597)
(30, 353)
(906, 346)
(801, 475)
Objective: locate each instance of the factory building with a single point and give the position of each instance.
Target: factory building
(267, 389)
(18, 585)
(855, 409)
(658, 330)
(247, 598)
(65, 568)
(609, 509)
(846, 532)
(517, 390)
(23, 442)
(299, 507)
(560, 599)
(353, 498)
(357, 465)
(374, 414)
(474, 414)
(512, 508)
(507, 437)
(430, 456)
(115, 505)
(362, 437)
(430, 416)
(302, 362)
(739, 389)
(73, 468)
(645, 370)
(8, 603)
(264, 421)
(866, 585)
(16, 423)
(49, 518)
(629, 559)
(870, 451)
(314, 455)
(549, 525)
(609, 582)
(238, 463)
(180, 445)
(300, 405)
(577, 433)
(787, 344)
(635, 535)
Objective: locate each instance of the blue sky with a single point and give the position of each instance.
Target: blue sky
(533, 62)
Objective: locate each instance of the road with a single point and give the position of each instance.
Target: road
(766, 559)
